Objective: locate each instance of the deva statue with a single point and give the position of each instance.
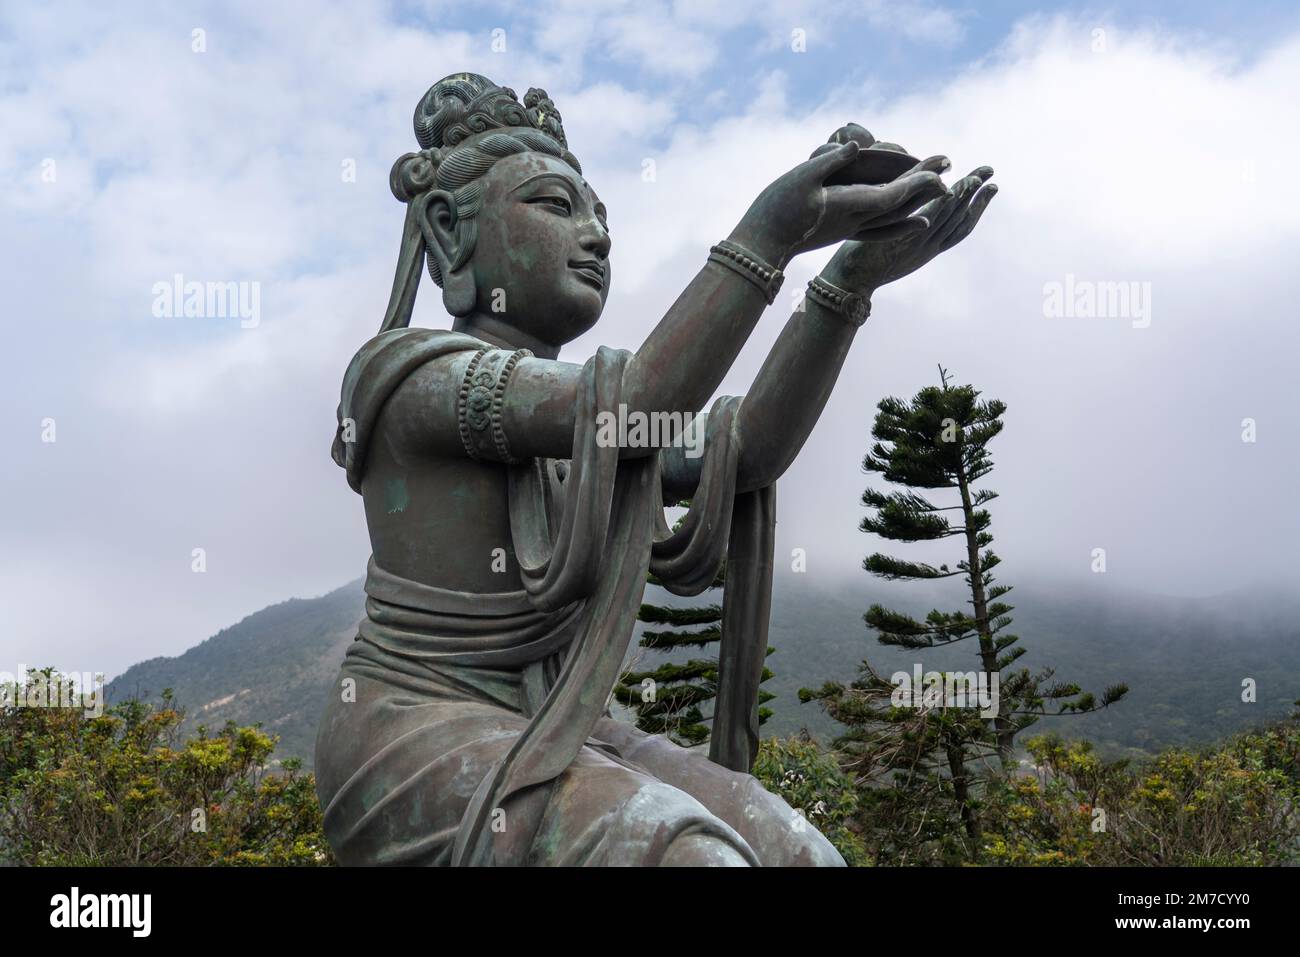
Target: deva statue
(512, 529)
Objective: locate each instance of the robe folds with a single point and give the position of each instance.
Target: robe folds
(479, 731)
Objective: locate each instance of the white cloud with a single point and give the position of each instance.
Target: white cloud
(646, 35)
(1158, 161)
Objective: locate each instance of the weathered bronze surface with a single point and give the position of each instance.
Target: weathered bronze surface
(512, 526)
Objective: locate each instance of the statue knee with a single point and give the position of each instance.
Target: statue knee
(812, 849)
(782, 836)
(693, 849)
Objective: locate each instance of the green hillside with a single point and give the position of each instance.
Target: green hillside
(1185, 660)
(274, 667)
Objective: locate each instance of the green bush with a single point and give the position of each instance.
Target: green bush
(1231, 805)
(810, 781)
(1234, 804)
(122, 789)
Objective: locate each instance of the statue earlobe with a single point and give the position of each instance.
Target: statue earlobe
(459, 294)
(446, 237)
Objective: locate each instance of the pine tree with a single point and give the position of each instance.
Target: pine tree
(933, 751)
(674, 698)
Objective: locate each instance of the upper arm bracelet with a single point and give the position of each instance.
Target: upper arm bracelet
(481, 402)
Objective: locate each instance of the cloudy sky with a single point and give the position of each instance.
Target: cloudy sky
(1145, 145)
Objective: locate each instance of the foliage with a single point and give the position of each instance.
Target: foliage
(810, 781)
(1232, 805)
(932, 751)
(675, 697)
(123, 788)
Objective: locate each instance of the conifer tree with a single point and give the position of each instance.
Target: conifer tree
(938, 442)
(675, 697)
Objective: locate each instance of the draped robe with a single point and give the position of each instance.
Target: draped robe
(478, 729)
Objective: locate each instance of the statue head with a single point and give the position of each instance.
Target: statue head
(500, 211)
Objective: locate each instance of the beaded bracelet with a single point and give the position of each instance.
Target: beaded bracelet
(498, 405)
(481, 403)
(766, 277)
(852, 307)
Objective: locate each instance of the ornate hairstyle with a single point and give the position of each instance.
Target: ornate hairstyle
(464, 124)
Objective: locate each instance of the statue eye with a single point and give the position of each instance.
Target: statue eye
(555, 202)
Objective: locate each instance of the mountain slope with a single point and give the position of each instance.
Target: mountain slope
(274, 667)
(1184, 660)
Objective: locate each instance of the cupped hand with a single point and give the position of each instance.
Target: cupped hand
(800, 212)
(888, 249)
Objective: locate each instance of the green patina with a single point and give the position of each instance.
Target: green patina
(396, 497)
(464, 706)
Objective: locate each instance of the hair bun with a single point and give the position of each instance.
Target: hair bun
(413, 173)
(460, 105)
(543, 115)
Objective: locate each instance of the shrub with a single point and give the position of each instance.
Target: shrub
(121, 788)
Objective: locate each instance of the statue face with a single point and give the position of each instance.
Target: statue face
(541, 261)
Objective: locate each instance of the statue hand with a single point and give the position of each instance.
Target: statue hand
(886, 251)
(799, 212)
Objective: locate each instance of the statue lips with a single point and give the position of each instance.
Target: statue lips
(591, 270)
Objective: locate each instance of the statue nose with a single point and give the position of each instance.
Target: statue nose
(595, 240)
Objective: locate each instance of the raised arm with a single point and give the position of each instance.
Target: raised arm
(794, 383)
(791, 389)
(684, 359)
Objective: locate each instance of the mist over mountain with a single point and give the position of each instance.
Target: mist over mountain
(1184, 659)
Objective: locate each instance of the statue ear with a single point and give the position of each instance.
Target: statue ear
(445, 235)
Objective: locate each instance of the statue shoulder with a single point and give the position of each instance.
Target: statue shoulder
(406, 349)
(379, 367)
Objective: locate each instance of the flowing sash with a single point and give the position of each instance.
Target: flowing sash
(588, 573)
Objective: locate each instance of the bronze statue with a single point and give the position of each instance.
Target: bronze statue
(512, 535)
